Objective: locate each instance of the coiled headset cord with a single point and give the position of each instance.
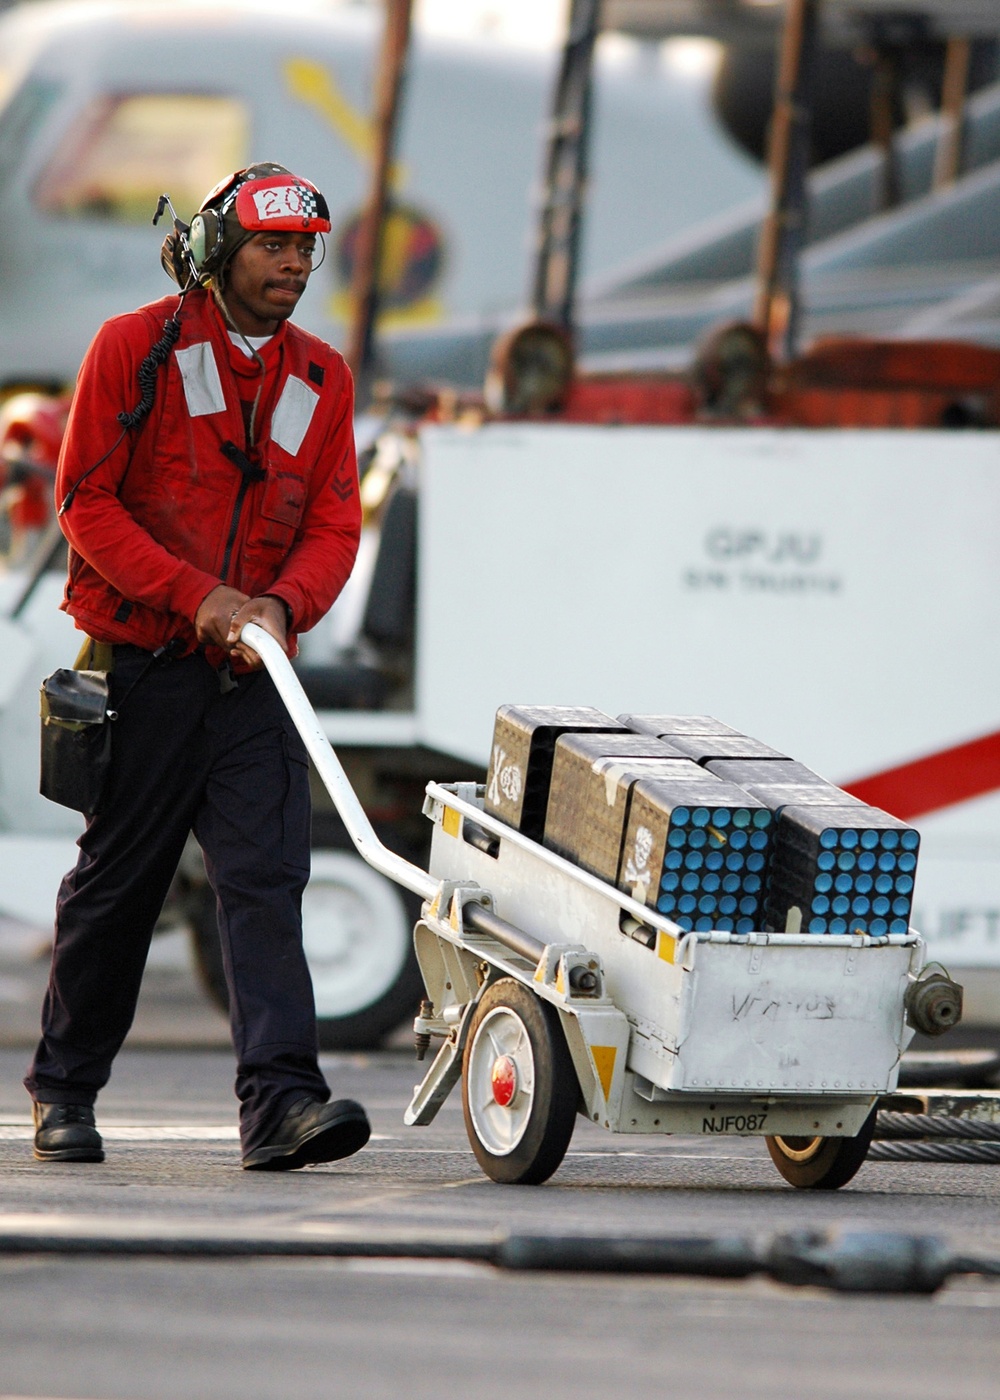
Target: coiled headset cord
(146, 375)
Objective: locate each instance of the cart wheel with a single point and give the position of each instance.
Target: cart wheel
(821, 1163)
(519, 1087)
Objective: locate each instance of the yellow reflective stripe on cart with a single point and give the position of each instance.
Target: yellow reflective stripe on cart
(451, 821)
(666, 946)
(604, 1057)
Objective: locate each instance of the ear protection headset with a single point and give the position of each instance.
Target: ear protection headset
(255, 200)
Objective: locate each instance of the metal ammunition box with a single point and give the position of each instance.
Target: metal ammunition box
(592, 777)
(848, 869)
(520, 770)
(697, 853)
(665, 726)
(744, 771)
(703, 748)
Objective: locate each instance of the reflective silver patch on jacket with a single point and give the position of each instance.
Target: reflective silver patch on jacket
(202, 385)
(293, 414)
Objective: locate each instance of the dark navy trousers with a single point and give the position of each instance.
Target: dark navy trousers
(231, 768)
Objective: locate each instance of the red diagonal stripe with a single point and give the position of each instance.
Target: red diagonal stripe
(939, 780)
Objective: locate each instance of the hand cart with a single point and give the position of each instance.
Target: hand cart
(554, 994)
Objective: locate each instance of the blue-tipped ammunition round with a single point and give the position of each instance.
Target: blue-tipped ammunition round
(828, 839)
(744, 925)
(863, 884)
(846, 860)
(700, 816)
(910, 840)
(693, 860)
(752, 884)
(685, 922)
(680, 816)
(880, 905)
(727, 904)
(883, 884)
(758, 840)
(848, 839)
(866, 860)
(823, 883)
(826, 860)
(890, 840)
(869, 839)
(898, 926)
(904, 884)
(755, 861)
(676, 838)
(711, 882)
(691, 881)
(707, 904)
(748, 905)
(838, 925)
(724, 925)
(731, 883)
(878, 928)
(901, 906)
(762, 819)
(670, 881)
(721, 816)
(908, 861)
(741, 817)
(857, 925)
(844, 884)
(704, 923)
(714, 860)
(841, 905)
(738, 840)
(861, 905)
(673, 860)
(821, 905)
(697, 839)
(666, 904)
(886, 861)
(687, 904)
(817, 926)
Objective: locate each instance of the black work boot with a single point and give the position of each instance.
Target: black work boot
(311, 1132)
(65, 1132)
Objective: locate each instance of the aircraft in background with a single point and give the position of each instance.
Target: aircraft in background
(108, 104)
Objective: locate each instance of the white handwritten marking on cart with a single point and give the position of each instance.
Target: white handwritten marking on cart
(735, 1123)
(806, 1008)
(637, 864)
(506, 778)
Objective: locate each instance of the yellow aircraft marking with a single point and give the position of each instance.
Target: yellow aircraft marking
(316, 86)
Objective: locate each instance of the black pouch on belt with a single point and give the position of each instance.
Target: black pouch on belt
(76, 732)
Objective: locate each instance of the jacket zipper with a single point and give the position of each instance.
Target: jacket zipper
(234, 524)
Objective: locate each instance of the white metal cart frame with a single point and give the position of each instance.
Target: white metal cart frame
(554, 993)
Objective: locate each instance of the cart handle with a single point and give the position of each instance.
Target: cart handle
(328, 765)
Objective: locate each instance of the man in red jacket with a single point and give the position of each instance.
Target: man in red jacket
(230, 496)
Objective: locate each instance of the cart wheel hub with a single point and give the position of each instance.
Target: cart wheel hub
(504, 1080)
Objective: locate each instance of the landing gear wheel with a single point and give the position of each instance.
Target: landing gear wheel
(821, 1163)
(519, 1087)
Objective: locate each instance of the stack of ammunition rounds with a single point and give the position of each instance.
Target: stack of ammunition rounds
(712, 828)
(697, 852)
(846, 869)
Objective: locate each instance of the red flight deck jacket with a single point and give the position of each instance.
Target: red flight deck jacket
(170, 516)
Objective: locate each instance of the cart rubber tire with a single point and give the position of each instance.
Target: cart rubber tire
(519, 1125)
(821, 1163)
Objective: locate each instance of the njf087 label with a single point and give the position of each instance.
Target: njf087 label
(735, 1123)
